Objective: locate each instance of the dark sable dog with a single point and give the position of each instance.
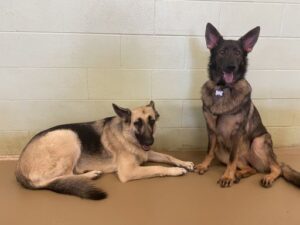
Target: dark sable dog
(236, 134)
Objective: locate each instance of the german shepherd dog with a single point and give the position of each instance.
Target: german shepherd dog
(65, 158)
(237, 136)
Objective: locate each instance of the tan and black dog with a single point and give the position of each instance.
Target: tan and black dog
(65, 158)
(237, 136)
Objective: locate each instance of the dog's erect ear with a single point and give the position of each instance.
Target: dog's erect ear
(248, 40)
(152, 104)
(212, 36)
(122, 112)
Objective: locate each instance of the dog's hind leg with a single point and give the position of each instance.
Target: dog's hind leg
(92, 162)
(93, 174)
(269, 179)
(244, 172)
(263, 159)
(48, 163)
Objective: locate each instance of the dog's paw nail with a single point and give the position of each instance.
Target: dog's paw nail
(267, 181)
(189, 165)
(225, 182)
(177, 171)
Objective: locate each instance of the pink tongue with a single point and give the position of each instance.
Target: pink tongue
(228, 77)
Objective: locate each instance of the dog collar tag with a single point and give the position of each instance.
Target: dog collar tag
(219, 93)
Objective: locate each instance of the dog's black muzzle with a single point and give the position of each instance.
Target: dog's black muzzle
(145, 141)
(230, 68)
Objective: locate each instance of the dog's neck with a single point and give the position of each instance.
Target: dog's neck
(225, 100)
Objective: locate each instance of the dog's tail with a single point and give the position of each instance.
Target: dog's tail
(71, 185)
(290, 174)
(78, 186)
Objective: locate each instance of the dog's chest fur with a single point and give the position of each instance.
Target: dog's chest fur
(226, 110)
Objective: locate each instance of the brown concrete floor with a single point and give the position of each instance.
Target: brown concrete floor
(187, 200)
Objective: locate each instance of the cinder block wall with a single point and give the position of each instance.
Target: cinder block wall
(66, 61)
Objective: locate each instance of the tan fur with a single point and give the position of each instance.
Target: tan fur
(57, 155)
(49, 157)
(245, 172)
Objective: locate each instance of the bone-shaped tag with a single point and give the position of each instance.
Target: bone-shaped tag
(219, 93)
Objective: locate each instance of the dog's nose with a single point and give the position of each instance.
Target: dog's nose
(230, 68)
(149, 141)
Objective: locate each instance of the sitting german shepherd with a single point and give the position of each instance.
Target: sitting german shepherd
(236, 134)
(65, 158)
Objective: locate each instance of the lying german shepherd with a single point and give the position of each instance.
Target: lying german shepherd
(236, 134)
(65, 158)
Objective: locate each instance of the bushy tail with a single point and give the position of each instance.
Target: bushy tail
(290, 174)
(78, 186)
(73, 185)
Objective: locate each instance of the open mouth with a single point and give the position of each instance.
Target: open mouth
(228, 77)
(146, 147)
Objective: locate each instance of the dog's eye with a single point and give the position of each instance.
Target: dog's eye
(222, 52)
(237, 53)
(151, 121)
(138, 123)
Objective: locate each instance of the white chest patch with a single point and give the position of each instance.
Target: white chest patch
(219, 93)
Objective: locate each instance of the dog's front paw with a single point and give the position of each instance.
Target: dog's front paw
(200, 168)
(226, 181)
(267, 181)
(176, 171)
(187, 165)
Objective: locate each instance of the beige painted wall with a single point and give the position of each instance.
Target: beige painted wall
(66, 61)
